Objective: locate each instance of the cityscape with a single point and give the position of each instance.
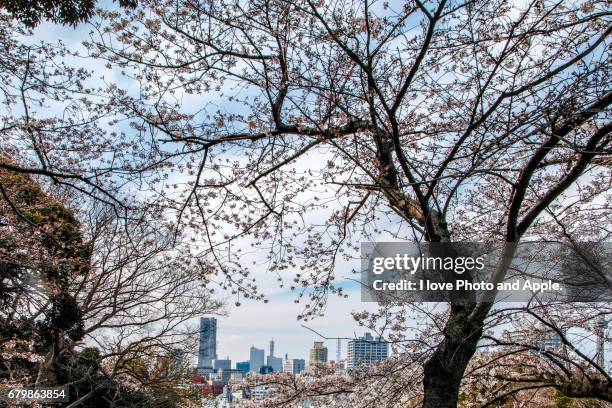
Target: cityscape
(218, 379)
(220, 385)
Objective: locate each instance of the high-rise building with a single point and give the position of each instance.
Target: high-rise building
(318, 355)
(259, 393)
(600, 330)
(225, 364)
(276, 363)
(257, 359)
(294, 366)
(245, 366)
(366, 350)
(207, 351)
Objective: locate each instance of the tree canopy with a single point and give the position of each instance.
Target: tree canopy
(67, 12)
(301, 128)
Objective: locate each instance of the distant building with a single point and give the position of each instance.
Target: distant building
(318, 355)
(226, 398)
(541, 340)
(230, 375)
(276, 363)
(366, 350)
(265, 369)
(257, 359)
(260, 393)
(207, 351)
(245, 366)
(225, 364)
(229, 398)
(552, 342)
(179, 363)
(294, 366)
(207, 387)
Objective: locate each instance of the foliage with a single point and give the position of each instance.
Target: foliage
(68, 12)
(41, 248)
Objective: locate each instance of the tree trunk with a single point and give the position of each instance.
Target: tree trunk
(46, 376)
(444, 370)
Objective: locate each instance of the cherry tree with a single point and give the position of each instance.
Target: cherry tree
(302, 128)
(447, 120)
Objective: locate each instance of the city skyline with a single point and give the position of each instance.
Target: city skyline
(356, 349)
(244, 327)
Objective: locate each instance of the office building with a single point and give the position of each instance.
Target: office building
(294, 366)
(366, 350)
(225, 364)
(179, 362)
(226, 397)
(257, 359)
(207, 351)
(265, 369)
(551, 343)
(245, 366)
(318, 355)
(260, 393)
(275, 362)
(230, 375)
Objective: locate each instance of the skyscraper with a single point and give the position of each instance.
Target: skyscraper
(275, 362)
(366, 350)
(318, 355)
(257, 359)
(208, 343)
